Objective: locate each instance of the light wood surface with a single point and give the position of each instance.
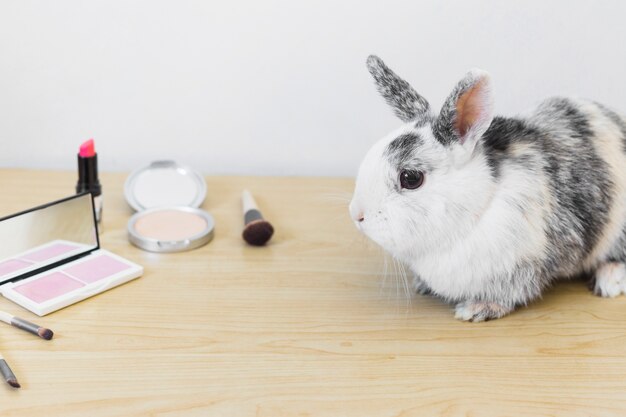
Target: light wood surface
(302, 327)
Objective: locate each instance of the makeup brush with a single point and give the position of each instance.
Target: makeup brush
(7, 373)
(26, 325)
(257, 231)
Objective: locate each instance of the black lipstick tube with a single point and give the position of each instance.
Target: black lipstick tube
(88, 181)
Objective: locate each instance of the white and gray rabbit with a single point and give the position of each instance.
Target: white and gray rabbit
(488, 211)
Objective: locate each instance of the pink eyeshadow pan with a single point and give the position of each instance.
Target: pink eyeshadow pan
(96, 269)
(49, 252)
(48, 287)
(13, 265)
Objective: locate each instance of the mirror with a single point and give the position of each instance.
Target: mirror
(46, 235)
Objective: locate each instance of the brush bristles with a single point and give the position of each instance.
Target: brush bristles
(45, 333)
(258, 232)
(8, 374)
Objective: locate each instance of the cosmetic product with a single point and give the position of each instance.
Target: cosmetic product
(27, 326)
(170, 229)
(88, 175)
(7, 373)
(50, 256)
(257, 231)
(166, 196)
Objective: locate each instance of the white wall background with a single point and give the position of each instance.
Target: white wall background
(274, 87)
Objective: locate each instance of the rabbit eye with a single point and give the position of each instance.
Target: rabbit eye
(411, 179)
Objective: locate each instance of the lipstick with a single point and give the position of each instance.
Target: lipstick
(88, 175)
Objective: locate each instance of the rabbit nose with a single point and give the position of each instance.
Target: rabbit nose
(357, 215)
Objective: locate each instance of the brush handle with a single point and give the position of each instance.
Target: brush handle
(248, 202)
(5, 370)
(25, 325)
(6, 317)
(250, 209)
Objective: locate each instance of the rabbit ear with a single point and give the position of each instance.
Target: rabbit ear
(468, 110)
(406, 103)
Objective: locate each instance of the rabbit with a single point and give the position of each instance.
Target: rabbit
(488, 211)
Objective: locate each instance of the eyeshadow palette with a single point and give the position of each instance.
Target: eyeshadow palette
(71, 282)
(39, 257)
(50, 256)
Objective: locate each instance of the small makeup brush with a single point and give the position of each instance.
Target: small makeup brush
(257, 231)
(26, 325)
(7, 373)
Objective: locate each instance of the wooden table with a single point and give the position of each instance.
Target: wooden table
(302, 327)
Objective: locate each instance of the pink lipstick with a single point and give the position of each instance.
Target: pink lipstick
(88, 175)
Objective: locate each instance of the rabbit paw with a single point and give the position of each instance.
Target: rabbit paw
(610, 280)
(480, 311)
(421, 287)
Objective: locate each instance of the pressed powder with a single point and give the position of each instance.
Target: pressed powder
(171, 229)
(170, 225)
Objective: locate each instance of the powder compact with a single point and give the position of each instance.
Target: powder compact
(50, 256)
(167, 197)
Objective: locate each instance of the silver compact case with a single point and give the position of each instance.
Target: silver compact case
(167, 197)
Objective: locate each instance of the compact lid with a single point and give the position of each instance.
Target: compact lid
(170, 229)
(164, 183)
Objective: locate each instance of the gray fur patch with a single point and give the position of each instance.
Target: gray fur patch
(617, 119)
(580, 180)
(404, 153)
(407, 104)
(497, 140)
(559, 143)
(401, 150)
